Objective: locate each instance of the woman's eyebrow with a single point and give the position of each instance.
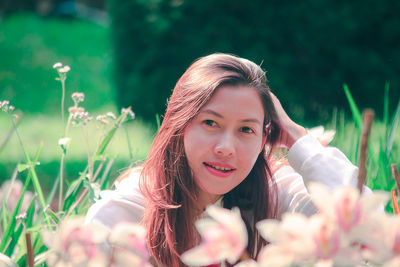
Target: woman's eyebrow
(209, 111)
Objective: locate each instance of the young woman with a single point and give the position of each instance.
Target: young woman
(214, 146)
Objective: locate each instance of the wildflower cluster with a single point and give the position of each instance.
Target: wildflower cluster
(78, 115)
(5, 106)
(104, 119)
(62, 70)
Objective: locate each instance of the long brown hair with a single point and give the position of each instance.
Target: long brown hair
(166, 180)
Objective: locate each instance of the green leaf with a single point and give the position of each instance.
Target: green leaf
(353, 107)
(54, 216)
(73, 192)
(107, 139)
(30, 213)
(22, 167)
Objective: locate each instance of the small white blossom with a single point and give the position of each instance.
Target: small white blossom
(63, 142)
(78, 97)
(57, 65)
(102, 119)
(64, 69)
(111, 115)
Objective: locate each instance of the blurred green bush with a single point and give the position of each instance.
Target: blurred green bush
(31, 44)
(308, 48)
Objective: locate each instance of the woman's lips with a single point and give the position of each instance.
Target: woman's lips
(219, 169)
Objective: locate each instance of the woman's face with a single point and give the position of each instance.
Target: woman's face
(223, 141)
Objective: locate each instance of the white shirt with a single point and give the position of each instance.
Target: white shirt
(309, 161)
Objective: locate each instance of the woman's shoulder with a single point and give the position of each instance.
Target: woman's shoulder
(125, 203)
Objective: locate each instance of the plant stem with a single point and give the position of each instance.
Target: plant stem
(90, 162)
(31, 168)
(62, 99)
(29, 250)
(396, 176)
(395, 203)
(368, 118)
(60, 196)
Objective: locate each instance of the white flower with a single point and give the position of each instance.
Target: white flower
(111, 115)
(64, 69)
(224, 238)
(63, 142)
(78, 97)
(57, 65)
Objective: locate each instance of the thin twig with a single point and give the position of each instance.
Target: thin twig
(396, 176)
(76, 203)
(29, 250)
(368, 118)
(395, 203)
(10, 133)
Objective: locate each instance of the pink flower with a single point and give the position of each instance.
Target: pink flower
(290, 240)
(345, 205)
(76, 244)
(11, 191)
(224, 238)
(299, 239)
(326, 237)
(129, 245)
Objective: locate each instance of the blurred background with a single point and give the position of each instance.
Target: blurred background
(131, 53)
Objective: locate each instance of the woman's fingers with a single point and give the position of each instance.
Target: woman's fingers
(291, 131)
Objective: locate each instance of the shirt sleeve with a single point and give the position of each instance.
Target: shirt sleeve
(311, 162)
(124, 204)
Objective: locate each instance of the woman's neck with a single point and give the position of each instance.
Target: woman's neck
(205, 199)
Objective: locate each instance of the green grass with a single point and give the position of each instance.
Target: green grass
(30, 45)
(37, 129)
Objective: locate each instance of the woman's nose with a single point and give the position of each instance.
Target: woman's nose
(225, 146)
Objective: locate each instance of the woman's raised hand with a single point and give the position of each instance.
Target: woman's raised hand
(290, 131)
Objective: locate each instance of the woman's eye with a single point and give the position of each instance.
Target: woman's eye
(210, 123)
(246, 130)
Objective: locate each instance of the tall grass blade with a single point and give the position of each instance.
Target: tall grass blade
(11, 245)
(103, 145)
(105, 178)
(73, 191)
(353, 107)
(53, 191)
(386, 106)
(11, 226)
(381, 167)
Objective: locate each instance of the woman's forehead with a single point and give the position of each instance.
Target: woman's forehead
(241, 101)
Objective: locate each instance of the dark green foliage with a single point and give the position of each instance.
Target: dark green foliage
(308, 48)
